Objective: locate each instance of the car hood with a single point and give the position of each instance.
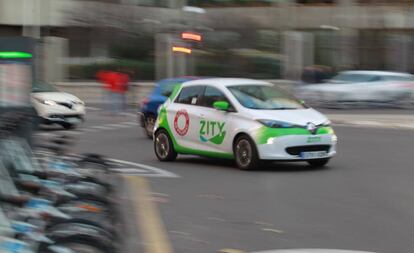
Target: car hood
(56, 96)
(298, 117)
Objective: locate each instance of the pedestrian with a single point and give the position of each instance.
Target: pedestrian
(123, 79)
(103, 77)
(115, 99)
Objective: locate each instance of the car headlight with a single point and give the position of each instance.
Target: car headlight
(46, 101)
(79, 102)
(276, 124)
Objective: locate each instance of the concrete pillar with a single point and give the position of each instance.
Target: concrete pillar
(348, 49)
(398, 52)
(169, 64)
(298, 50)
(54, 49)
(177, 3)
(348, 35)
(163, 56)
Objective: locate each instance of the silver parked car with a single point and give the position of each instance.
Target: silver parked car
(362, 87)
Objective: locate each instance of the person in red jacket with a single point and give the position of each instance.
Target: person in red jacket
(123, 83)
(103, 78)
(115, 84)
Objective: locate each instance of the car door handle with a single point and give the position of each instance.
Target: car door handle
(202, 116)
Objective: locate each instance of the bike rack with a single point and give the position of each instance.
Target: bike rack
(17, 72)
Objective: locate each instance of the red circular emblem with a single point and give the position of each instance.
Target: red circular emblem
(180, 129)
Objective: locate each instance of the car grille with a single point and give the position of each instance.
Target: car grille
(299, 149)
(64, 117)
(68, 105)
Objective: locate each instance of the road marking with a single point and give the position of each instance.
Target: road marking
(103, 127)
(131, 123)
(123, 167)
(92, 129)
(126, 171)
(210, 196)
(130, 114)
(88, 130)
(116, 125)
(261, 223)
(216, 219)
(231, 251)
(310, 250)
(272, 230)
(150, 170)
(93, 108)
(179, 233)
(154, 235)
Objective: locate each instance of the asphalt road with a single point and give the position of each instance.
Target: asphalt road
(364, 199)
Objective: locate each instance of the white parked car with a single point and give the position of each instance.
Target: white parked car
(248, 120)
(56, 107)
(362, 87)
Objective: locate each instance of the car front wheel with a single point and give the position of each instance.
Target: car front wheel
(163, 146)
(245, 153)
(69, 126)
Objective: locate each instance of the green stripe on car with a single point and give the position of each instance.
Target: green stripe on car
(264, 133)
(163, 123)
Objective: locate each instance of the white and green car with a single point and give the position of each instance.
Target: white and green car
(242, 119)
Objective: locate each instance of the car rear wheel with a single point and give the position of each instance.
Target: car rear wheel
(318, 162)
(405, 102)
(149, 123)
(69, 126)
(163, 146)
(245, 153)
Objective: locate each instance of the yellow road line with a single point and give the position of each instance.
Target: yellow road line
(153, 233)
(231, 251)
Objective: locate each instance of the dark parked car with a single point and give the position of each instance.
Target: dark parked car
(149, 108)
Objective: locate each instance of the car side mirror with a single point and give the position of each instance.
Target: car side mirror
(221, 105)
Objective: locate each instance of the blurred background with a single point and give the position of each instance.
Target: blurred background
(304, 41)
(267, 39)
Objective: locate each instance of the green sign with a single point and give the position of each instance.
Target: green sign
(15, 55)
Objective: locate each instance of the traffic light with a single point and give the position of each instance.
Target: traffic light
(191, 36)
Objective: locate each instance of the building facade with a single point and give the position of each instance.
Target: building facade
(344, 34)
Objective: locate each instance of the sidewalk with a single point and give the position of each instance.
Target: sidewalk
(395, 121)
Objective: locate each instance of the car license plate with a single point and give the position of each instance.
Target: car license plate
(313, 155)
(314, 139)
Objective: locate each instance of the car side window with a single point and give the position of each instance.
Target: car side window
(189, 95)
(212, 95)
(375, 79)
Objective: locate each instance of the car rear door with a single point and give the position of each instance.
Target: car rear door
(183, 117)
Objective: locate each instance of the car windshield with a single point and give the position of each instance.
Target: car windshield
(355, 78)
(43, 87)
(265, 97)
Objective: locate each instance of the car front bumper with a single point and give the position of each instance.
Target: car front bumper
(60, 114)
(296, 147)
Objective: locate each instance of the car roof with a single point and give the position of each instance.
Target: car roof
(176, 80)
(220, 82)
(378, 73)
